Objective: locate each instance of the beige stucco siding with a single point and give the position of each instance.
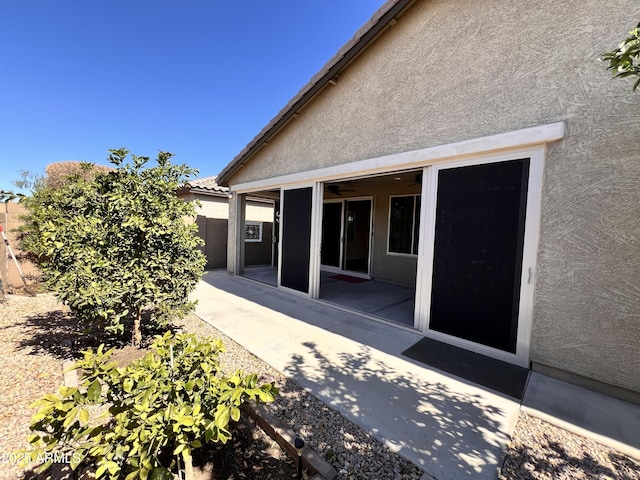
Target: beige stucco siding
(210, 206)
(453, 70)
(259, 212)
(218, 207)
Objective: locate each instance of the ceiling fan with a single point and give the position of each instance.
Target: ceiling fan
(336, 190)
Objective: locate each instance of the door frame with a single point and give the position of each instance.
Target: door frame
(529, 256)
(341, 269)
(314, 254)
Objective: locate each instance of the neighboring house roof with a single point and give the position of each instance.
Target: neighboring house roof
(205, 186)
(383, 18)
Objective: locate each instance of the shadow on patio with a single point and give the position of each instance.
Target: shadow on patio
(448, 427)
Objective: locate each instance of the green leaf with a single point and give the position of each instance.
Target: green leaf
(222, 416)
(159, 473)
(235, 414)
(265, 396)
(127, 385)
(70, 417)
(94, 391)
(187, 421)
(102, 468)
(84, 415)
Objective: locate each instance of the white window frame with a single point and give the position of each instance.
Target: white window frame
(415, 196)
(314, 252)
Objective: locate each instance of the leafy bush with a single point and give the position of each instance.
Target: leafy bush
(625, 60)
(115, 244)
(167, 404)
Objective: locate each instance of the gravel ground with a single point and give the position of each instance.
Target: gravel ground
(26, 373)
(33, 347)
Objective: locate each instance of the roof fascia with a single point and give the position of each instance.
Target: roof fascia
(203, 191)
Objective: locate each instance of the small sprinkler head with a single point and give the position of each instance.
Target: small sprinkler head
(299, 444)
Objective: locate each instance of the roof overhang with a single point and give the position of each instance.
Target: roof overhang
(201, 191)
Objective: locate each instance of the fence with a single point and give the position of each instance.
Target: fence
(10, 221)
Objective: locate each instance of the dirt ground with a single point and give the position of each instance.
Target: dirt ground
(37, 336)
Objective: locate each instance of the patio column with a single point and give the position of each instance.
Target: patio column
(235, 241)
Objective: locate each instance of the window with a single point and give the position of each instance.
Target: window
(404, 223)
(253, 232)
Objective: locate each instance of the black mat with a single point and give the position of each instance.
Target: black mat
(488, 372)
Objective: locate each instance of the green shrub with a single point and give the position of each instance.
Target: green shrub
(115, 245)
(159, 409)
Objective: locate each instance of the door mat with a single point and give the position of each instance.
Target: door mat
(491, 373)
(348, 278)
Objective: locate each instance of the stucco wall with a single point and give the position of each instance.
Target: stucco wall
(218, 207)
(259, 211)
(454, 70)
(210, 206)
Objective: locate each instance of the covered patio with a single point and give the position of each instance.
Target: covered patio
(382, 300)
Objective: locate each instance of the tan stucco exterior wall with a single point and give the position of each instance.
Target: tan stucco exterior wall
(259, 212)
(210, 206)
(218, 207)
(454, 70)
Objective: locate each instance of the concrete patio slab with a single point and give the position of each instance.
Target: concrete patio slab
(607, 420)
(448, 427)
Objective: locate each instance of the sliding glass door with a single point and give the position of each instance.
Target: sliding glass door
(346, 235)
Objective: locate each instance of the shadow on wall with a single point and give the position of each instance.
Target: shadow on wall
(451, 421)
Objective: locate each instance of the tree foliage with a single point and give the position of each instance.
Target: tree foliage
(625, 60)
(115, 245)
(29, 180)
(9, 196)
(58, 173)
(166, 405)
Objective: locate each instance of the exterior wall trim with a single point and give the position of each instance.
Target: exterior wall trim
(526, 137)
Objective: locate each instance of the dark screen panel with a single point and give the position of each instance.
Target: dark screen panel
(296, 239)
(479, 238)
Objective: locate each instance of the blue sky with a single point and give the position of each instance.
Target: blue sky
(198, 78)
